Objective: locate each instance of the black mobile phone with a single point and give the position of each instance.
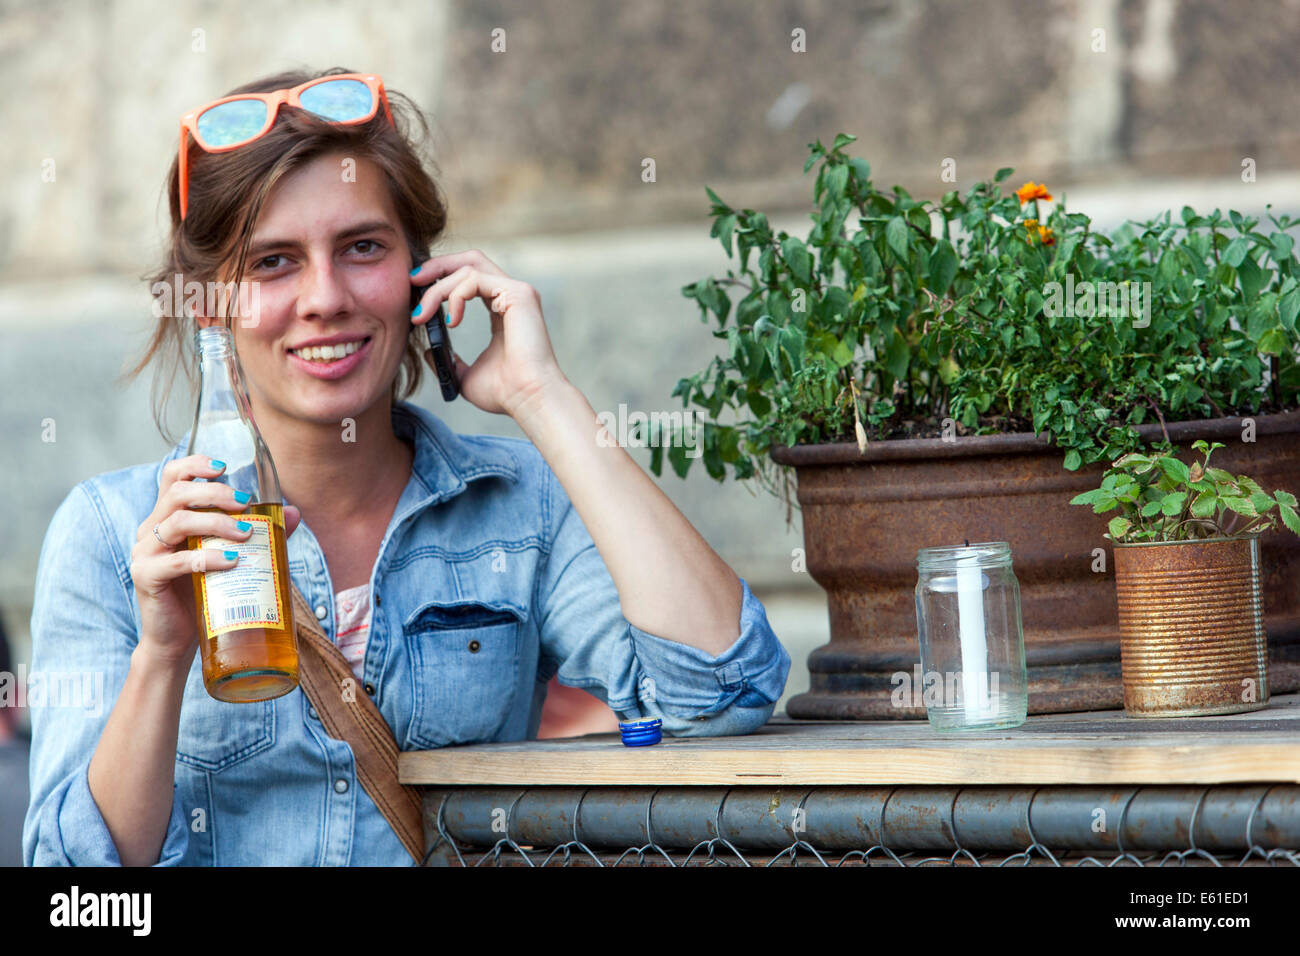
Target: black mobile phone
(439, 345)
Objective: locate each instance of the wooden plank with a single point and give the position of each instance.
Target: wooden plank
(1102, 747)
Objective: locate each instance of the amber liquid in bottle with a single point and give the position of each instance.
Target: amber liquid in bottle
(258, 662)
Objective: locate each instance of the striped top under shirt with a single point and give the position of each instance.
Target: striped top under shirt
(353, 609)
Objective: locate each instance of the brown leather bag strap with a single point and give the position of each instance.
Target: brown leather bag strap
(354, 718)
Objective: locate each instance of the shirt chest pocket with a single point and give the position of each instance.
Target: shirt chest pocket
(464, 667)
(214, 734)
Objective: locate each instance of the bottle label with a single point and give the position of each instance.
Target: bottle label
(245, 595)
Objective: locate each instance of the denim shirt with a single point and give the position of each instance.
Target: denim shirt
(487, 584)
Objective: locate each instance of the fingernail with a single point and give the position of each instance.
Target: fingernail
(217, 464)
(446, 318)
(243, 497)
(418, 309)
(232, 555)
(415, 270)
(243, 525)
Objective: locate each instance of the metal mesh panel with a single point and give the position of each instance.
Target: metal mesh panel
(1250, 825)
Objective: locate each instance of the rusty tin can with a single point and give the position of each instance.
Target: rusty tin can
(1192, 639)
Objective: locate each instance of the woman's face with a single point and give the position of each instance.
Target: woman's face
(331, 263)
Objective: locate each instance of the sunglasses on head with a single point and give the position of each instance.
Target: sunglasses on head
(234, 121)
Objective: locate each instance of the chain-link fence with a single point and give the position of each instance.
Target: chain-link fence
(1239, 825)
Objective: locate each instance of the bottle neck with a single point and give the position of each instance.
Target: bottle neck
(223, 420)
(215, 343)
(221, 386)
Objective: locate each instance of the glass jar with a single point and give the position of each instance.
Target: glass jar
(972, 646)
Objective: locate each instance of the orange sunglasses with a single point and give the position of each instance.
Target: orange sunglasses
(235, 121)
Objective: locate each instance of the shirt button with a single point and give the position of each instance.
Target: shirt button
(321, 611)
(378, 600)
(370, 688)
(340, 786)
(314, 715)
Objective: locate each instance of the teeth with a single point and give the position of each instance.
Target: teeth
(327, 353)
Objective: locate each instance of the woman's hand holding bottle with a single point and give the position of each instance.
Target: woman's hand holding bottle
(161, 565)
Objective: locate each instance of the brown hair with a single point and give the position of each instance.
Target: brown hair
(226, 192)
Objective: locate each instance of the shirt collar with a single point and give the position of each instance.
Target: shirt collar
(445, 462)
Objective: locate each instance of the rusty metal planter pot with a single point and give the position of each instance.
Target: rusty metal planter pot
(866, 514)
(1191, 627)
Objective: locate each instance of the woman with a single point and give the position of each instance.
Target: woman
(491, 563)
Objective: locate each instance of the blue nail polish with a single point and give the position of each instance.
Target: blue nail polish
(418, 310)
(243, 525)
(446, 318)
(232, 555)
(415, 270)
(217, 464)
(243, 497)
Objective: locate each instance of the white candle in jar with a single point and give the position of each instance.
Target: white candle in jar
(974, 646)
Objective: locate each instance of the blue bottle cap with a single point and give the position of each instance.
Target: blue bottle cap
(641, 733)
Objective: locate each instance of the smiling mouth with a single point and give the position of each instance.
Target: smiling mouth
(324, 354)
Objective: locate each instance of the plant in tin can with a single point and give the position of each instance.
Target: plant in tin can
(1161, 498)
(1188, 581)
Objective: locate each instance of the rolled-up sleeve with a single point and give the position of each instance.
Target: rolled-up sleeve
(68, 829)
(83, 630)
(588, 643)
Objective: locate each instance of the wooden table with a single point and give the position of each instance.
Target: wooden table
(1102, 747)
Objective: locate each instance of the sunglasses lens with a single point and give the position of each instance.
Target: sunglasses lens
(338, 100)
(233, 122)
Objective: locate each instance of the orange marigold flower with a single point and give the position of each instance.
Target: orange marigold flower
(1032, 190)
(1045, 235)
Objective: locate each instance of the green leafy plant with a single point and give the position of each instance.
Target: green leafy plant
(900, 317)
(1163, 499)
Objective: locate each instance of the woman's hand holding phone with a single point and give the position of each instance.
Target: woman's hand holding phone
(519, 365)
(439, 355)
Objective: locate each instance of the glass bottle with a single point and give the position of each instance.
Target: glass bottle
(245, 618)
